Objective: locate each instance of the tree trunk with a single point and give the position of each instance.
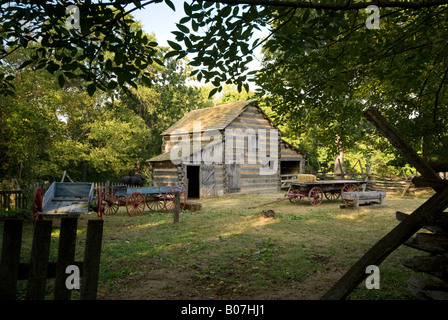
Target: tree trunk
(85, 167)
(339, 165)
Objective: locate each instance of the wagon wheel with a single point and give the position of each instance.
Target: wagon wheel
(154, 202)
(135, 204)
(37, 204)
(332, 195)
(316, 196)
(168, 200)
(350, 187)
(110, 203)
(296, 198)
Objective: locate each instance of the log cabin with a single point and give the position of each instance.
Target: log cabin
(230, 148)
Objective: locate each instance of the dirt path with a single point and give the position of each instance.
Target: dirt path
(169, 284)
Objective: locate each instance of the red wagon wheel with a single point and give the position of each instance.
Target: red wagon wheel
(37, 204)
(297, 196)
(349, 187)
(168, 200)
(316, 196)
(135, 204)
(154, 202)
(110, 203)
(332, 196)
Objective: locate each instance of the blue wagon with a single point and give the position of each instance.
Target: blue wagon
(156, 198)
(65, 199)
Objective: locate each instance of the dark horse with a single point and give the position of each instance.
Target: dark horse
(135, 180)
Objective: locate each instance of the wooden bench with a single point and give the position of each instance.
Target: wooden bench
(354, 199)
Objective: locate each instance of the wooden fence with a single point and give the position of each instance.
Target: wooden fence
(392, 185)
(13, 199)
(109, 186)
(38, 269)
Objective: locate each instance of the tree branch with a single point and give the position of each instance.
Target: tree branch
(436, 103)
(333, 6)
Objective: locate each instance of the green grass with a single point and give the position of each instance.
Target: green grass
(228, 251)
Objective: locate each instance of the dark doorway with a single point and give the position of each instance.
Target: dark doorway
(193, 181)
(290, 167)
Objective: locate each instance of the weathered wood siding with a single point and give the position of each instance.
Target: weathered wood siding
(288, 153)
(250, 179)
(168, 142)
(164, 173)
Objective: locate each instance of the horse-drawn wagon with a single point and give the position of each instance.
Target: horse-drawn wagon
(315, 191)
(156, 198)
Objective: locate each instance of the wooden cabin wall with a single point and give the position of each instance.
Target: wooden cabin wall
(164, 174)
(168, 144)
(168, 141)
(250, 179)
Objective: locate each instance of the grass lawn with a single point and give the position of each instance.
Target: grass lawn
(228, 251)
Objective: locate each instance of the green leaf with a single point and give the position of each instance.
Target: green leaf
(158, 61)
(112, 85)
(70, 75)
(187, 9)
(170, 4)
(119, 57)
(212, 93)
(174, 45)
(91, 88)
(171, 54)
(184, 20)
(61, 80)
(146, 81)
(183, 28)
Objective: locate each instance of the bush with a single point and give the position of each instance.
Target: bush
(15, 213)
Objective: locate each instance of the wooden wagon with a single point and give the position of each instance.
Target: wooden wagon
(64, 199)
(136, 199)
(315, 191)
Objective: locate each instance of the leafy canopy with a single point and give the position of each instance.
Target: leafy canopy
(321, 63)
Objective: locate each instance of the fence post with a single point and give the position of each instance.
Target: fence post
(10, 258)
(66, 256)
(39, 260)
(89, 285)
(176, 206)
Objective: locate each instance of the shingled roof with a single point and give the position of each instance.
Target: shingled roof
(212, 118)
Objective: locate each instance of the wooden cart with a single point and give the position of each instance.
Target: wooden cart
(136, 199)
(315, 191)
(66, 199)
